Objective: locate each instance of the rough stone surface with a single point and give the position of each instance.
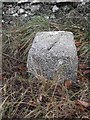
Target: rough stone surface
(53, 53)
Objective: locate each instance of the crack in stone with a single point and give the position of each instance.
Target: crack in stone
(50, 47)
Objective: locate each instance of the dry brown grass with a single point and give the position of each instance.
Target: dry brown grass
(41, 98)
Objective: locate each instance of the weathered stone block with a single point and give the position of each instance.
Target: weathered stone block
(53, 53)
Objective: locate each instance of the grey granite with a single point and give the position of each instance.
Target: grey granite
(53, 53)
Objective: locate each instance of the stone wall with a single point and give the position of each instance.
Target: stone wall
(13, 12)
(51, 1)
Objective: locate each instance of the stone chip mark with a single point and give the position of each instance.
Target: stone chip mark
(50, 47)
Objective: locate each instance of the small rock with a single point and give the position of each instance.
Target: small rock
(27, 7)
(17, 8)
(21, 11)
(34, 8)
(3, 13)
(55, 8)
(23, 16)
(22, 1)
(10, 11)
(15, 14)
(2, 21)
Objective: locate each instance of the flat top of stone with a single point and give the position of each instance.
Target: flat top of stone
(45, 40)
(54, 32)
